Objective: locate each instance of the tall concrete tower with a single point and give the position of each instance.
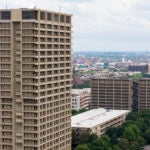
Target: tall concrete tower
(35, 80)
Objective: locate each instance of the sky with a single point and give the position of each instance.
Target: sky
(100, 25)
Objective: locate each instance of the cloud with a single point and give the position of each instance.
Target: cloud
(101, 21)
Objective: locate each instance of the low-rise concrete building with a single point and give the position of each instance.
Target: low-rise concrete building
(97, 121)
(81, 98)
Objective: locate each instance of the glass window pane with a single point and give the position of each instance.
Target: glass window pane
(5, 15)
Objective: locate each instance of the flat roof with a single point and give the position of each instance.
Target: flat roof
(110, 78)
(95, 117)
(80, 91)
(36, 9)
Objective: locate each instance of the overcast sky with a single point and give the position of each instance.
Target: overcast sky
(112, 25)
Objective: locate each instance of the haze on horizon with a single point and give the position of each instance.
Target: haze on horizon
(112, 25)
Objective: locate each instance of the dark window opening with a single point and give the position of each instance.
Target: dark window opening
(42, 15)
(61, 18)
(49, 17)
(56, 17)
(68, 19)
(5, 15)
(29, 15)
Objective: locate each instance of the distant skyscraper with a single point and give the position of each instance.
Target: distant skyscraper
(35, 80)
(111, 93)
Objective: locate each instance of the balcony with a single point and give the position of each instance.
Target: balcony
(18, 93)
(18, 39)
(19, 121)
(18, 79)
(18, 73)
(18, 52)
(18, 100)
(18, 32)
(7, 109)
(18, 114)
(17, 46)
(19, 140)
(18, 59)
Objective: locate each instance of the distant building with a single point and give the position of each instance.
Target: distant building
(97, 121)
(139, 67)
(81, 98)
(112, 65)
(111, 93)
(141, 94)
(121, 65)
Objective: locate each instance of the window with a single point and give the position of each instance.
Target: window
(49, 17)
(68, 19)
(61, 18)
(42, 15)
(29, 15)
(5, 15)
(56, 17)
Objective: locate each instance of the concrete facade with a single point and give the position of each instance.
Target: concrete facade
(81, 98)
(111, 93)
(141, 94)
(35, 80)
(97, 121)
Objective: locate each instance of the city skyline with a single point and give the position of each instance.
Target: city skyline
(118, 25)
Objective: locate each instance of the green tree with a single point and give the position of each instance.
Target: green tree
(133, 116)
(92, 137)
(129, 134)
(111, 131)
(82, 147)
(74, 140)
(106, 138)
(123, 144)
(116, 147)
(147, 135)
(136, 130)
(137, 76)
(141, 141)
(102, 143)
(141, 124)
(135, 146)
(83, 138)
(74, 112)
(82, 110)
(147, 121)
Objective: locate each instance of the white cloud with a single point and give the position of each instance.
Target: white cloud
(101, 21)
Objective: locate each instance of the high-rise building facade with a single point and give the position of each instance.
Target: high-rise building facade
(141, 94)
(111, 93)
(35, 80)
